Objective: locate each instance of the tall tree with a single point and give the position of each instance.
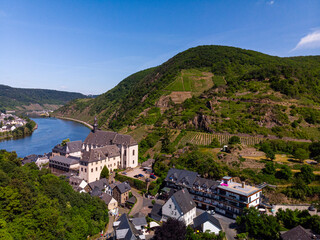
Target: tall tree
(173, 229)
(104, 173)
(301, 154)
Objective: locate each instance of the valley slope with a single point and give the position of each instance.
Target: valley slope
(34, 99)
(213, 89)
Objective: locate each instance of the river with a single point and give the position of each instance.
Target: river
(50, 132)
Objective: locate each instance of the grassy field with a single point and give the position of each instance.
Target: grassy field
(192, 80)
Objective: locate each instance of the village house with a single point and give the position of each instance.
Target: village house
(110, 202)
(124, 229)
(64, 164)
(42, 161)
(78, 184)
(121, 192)
(226, 196)
(180, 206)
(206, 222)
(39, 160)
(129, 229)
(10, 122)
(70, 149)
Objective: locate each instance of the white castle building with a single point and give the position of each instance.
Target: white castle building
(104, 148)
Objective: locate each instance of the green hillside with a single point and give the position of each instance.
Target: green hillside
(215, 89)
(35, 204)
(17, 98)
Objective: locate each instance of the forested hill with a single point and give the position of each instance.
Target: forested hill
(19, 98)
(35, 204)
(214, 89)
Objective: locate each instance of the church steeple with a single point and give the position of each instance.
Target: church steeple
(95, 125)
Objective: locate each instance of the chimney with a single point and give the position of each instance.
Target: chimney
(243, 184)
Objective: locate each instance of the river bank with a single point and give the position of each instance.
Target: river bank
(75, 120)
(20, 132)
(50, 132)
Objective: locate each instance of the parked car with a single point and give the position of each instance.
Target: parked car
(140, 175)
(311, 208)
(152, 176)
(124, 173)
(136, 176)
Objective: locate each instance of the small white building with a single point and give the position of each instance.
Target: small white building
(180, 206)
(206, 222)
(41, 161)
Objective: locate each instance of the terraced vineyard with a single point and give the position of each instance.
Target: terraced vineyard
(200, 138)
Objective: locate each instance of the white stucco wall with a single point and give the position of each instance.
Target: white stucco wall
(211, 227)
(189, 216)
(132, 156)
(169, 209)
(94, 168)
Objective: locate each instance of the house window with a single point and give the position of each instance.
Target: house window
(133, 162)
(81, 169)
(169, 205)
(96, 169)
(85, 170)
(132, 152)
(91, 169)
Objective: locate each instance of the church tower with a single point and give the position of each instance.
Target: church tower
(95, 125)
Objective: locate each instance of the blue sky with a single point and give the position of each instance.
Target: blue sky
(90, 46)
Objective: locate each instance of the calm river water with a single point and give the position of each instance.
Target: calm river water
(50, 132)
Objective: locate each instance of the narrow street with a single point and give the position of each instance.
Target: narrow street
(139, 204)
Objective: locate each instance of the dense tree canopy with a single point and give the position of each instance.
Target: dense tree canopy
(38, 205)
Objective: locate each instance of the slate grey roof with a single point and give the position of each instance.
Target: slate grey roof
(156, 212)
(297, 233)
(123, 187)
(204, 217)
(139, 221)
(113, 185)
(60, 149)
(148, 163)
(96, 192)
(65, 160)
(184, 200)
(124, 140)
(32, 157)
(74, 146)
(103, 138)
(205, 183)
(76, 180)
(132, 200)
(124, 231)
(100, 184)
(182, 177)
(106, 198)
(100, 153)
(100, 138)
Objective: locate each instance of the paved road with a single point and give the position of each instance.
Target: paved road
(228, 225)
(293, 207)
(139, 204)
